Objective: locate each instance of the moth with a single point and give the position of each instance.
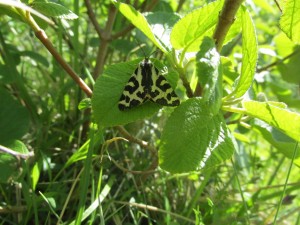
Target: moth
(147, 83)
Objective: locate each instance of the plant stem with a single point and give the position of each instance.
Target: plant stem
(226, 19)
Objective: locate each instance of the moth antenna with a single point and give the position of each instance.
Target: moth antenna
(141, 47)
(155, 51)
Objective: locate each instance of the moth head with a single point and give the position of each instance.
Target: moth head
(146, 63)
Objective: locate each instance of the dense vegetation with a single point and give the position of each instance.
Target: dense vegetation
(228, 154)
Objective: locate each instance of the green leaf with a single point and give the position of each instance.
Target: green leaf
(10, 11)
(9, 164)
(53, 9)
(14, 121)
(209, 72)
(286, 121)
(229, 73)
(290, 20)
(278, 139)
(249, 60)
(85, 104)
(193, 137)
(189, 31)
(107, 91)
(139, 21)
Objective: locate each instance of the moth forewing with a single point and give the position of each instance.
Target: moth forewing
(147, 83)
(134, 92)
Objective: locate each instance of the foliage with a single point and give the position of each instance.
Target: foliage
(73, 157)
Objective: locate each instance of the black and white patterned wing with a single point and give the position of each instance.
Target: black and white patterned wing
(134, 93)
(161, 91)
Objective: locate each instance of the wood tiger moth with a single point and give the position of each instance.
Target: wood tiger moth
(147, 83)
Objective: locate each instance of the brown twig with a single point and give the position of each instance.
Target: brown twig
(133, 139)
(226, 18)
(92, 17)
(150, 6)
(122, 32)
(16, 154)
(146, 172)
(198, 91)
(41, 35)
(278, 61)
(105, 37)
(179, 6)
(186, 84)
(278, 5)
(145, 145)
(155, 209)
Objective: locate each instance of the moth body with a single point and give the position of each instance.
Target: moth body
(146, 83)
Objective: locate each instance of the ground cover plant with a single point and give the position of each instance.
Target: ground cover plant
(149, 112)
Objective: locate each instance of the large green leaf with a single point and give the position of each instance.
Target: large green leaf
(53, 9)
(249, 60)
(187, 34)
(14, 118)
(274, 114)
(209, 72)
(107, 91)
(193, 137)
(139, 21)
(278, 139)
(290, 20)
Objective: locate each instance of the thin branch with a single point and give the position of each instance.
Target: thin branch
(145, 145)
(155, 209)
(198, 91)
(133, 139)
(122, 32)
(41, 35)
(131, 171)
(179, 6)
(150, 6)
(13, 209)
(226, 19)
(106, 34)
(16, 154)
(93, 19)
(278, 61)
(278, 5)
(187, 86)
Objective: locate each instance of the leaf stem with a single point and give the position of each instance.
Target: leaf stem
(233, 109)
